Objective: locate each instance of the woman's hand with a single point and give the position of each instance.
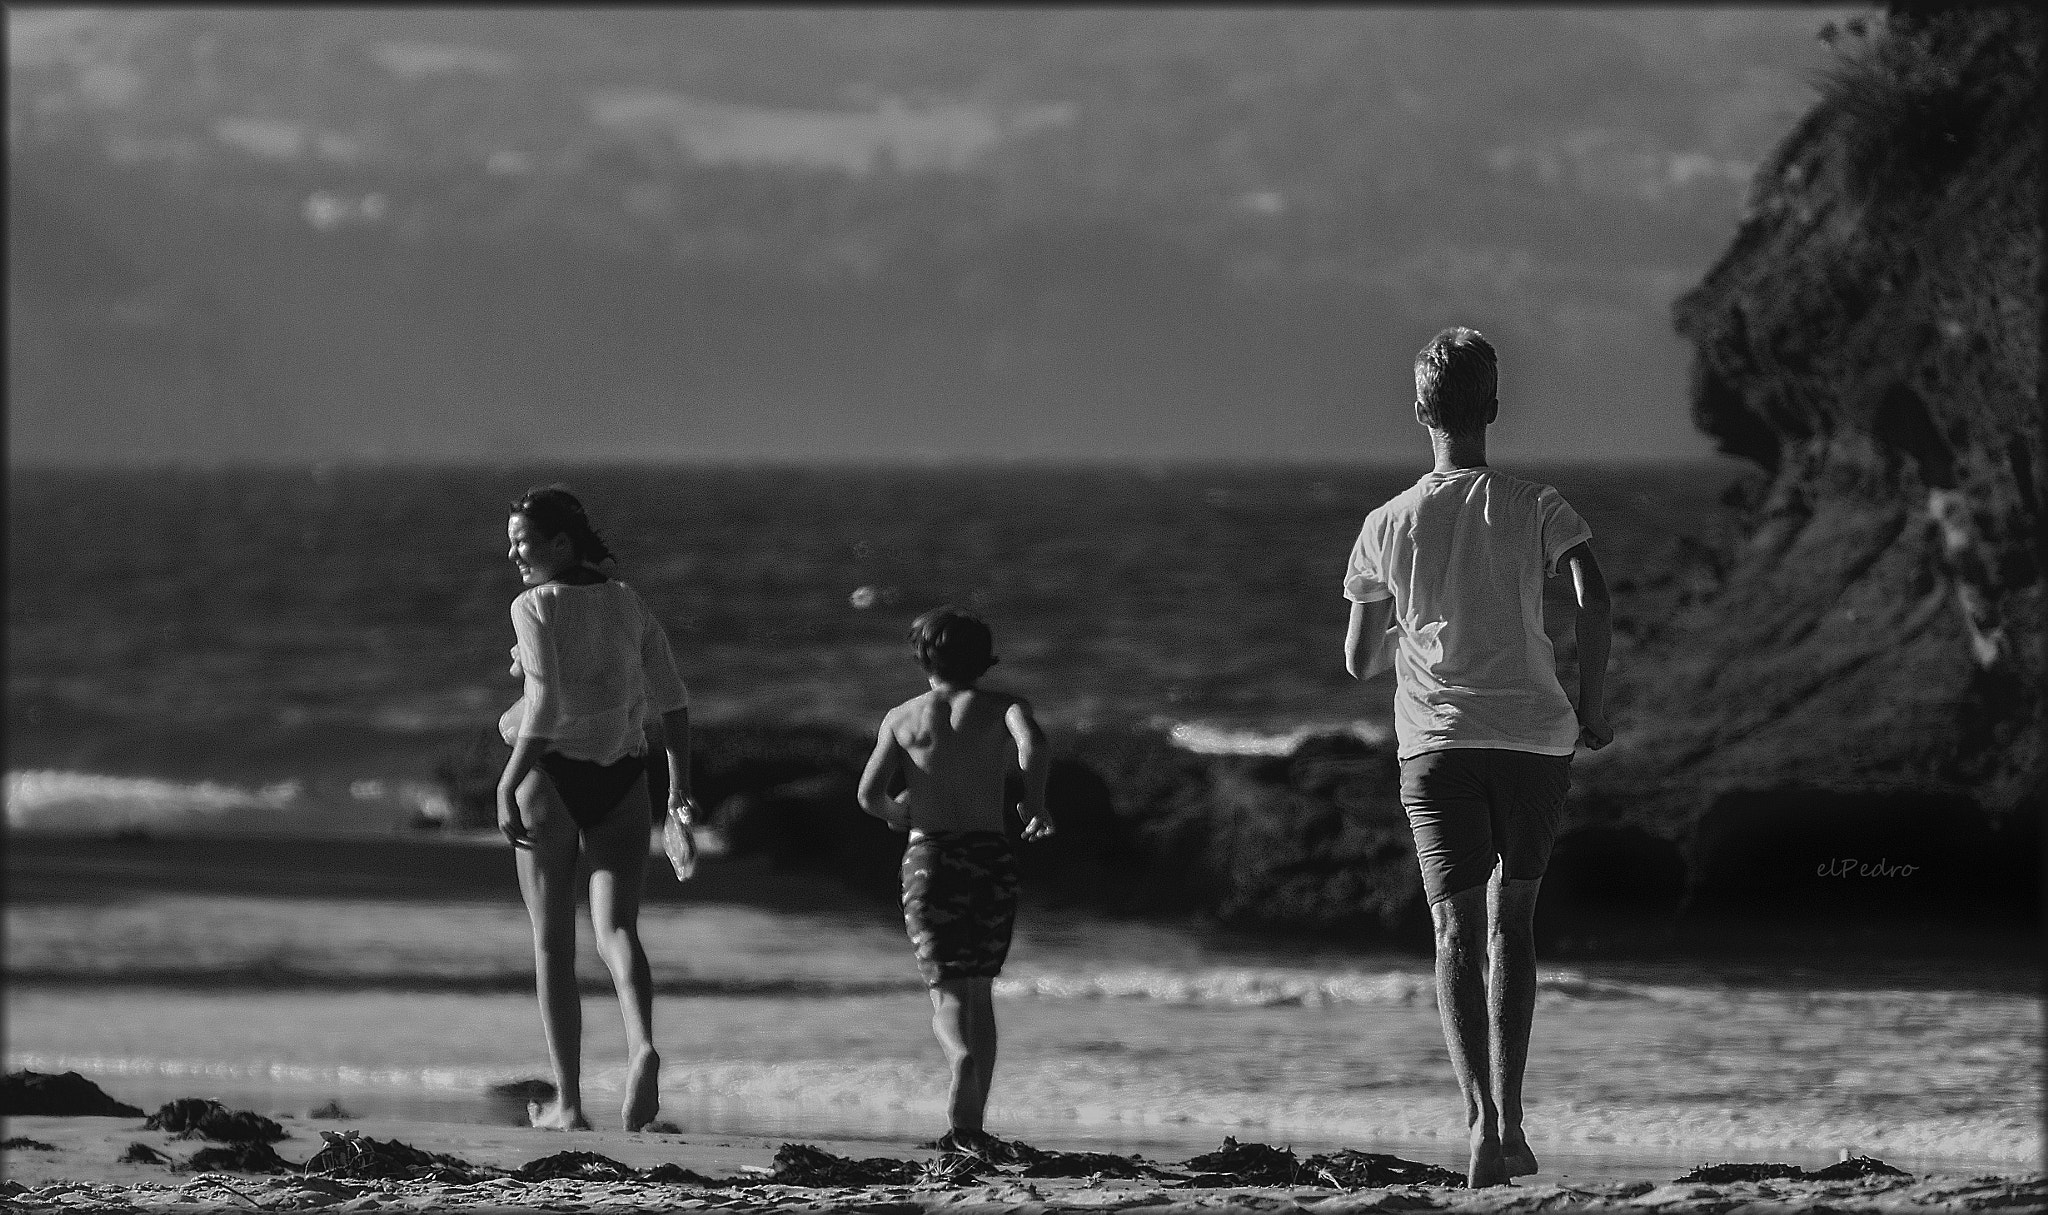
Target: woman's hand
(509, 820)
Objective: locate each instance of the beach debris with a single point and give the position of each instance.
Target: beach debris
(22, 1143)
(661, 1128)
(142, 1153)
(989, 1148)
(953, 1169)
(1351, 1169)
(355, 1156)
(802, 1164)
(206, 1119)
(1242, 1164)
(332, 1110)
(575, 1166)
(251, 1156)
(676, 1174)
(27, 1093)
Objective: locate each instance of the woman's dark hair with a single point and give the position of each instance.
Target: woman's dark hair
(954, 645)
(553, 511)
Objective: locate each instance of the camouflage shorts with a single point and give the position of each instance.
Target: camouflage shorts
(959, 902)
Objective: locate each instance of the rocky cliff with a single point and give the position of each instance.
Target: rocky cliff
(1871, 649)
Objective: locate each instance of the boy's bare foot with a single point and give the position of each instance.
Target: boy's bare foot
(643, 1089)
(552, 1117)
(1486, 1166)
(1515, 1154)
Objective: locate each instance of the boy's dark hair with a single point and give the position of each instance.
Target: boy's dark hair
(1456, 380)
(552, 510)
(954, 645)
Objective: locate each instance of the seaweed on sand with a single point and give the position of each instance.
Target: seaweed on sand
(354, 1155)
(1091, 1164)
(676, 1174)
(249, 1156)
(953, 1169)
(199, 1117)
(1350, 1169)
(1242, 1164)
(575, 1166)
(22, 1143)
(802, 1164)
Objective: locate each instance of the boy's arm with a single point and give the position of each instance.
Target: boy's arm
(883, 763)
(1594, 625)
(1035, 757)
(1364, 654)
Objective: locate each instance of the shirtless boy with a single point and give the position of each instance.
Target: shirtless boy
(1446, 585)
(953, 746)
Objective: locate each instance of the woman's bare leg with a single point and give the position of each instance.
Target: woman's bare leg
(617, 848)
(547, 880)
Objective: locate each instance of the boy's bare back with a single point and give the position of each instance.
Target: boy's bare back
(959, 745)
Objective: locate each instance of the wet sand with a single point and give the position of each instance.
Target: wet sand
(76, 1164)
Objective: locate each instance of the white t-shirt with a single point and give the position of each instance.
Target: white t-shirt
(1463, 555)
(597, 665)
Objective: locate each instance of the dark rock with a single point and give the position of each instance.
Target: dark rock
(142, 1153)
(1354, 1170)
(332, 1110)
(22, 1143)
(575, 1166)
(1854, 1167)
(27, 1093)
(1871, 341)
(202, 1118)
(248, 1157)
(1720, 1174)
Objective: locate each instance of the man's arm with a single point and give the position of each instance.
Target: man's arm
(1035, 757)
(1595, 629)
(883, 764)
(1364, 655)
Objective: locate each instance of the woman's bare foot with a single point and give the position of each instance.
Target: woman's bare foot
(1515, 1154)
(643, 1089)
(1486, 1166)
(553, 1117)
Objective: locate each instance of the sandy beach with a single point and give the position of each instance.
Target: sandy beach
(82, 1163)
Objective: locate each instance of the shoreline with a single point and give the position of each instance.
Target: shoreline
(82, 1166)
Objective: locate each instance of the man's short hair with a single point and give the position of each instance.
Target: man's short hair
(1456, 381)
(954, 645)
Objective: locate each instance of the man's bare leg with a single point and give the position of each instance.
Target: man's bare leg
(1461, 1002)
(547, 880)
(952, 1005)
(981, 1042)
(1511, 1006)
(617, 848)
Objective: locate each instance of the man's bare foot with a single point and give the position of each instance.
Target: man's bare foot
(1486, 1166)
(643, 1089)
(1515, 1154)
(552, 1117)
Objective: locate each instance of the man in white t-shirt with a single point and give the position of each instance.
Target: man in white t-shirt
(1446, 585)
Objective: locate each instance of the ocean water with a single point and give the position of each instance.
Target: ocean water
(249, 654)
(305, 644)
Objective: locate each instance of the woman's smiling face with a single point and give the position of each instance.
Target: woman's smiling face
(539, 558)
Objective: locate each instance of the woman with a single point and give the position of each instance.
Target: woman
(601, 692)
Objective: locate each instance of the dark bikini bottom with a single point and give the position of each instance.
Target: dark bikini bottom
(592, 790)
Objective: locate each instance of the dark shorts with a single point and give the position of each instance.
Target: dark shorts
(1470, 807)
(589, 789)
(959, 903)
